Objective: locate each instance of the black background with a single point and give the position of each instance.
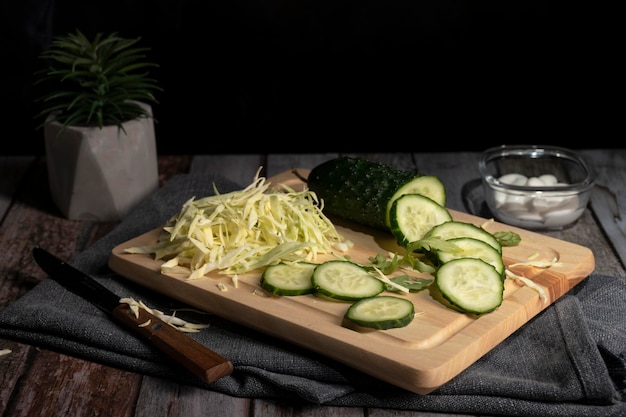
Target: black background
(244, 76)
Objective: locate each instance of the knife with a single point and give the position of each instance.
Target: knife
(195, 357)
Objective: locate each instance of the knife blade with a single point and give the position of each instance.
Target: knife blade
(194, 356)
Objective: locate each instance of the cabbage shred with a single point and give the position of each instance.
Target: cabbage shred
(243, 230)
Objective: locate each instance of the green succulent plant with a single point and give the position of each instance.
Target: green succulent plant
(94, 82)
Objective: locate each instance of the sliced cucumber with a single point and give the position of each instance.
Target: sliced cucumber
(414, 215)
(470, 284)
(345, 280)
(473, 248)
(454, 229)
(382, 312)
(426, 185)
(289, 279)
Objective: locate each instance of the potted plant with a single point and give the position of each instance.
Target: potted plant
(98, 127)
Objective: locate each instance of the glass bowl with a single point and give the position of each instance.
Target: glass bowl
(535, 187)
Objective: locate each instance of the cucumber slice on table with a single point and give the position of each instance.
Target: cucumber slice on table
(414, 215)
(346, 281)
(473, 248)
(363, 191)
(470, 284)
(289, 279)
(454, 229)
(382, 312)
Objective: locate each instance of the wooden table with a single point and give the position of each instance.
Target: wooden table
(44, 383)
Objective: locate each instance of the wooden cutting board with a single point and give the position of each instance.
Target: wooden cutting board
(435, 347)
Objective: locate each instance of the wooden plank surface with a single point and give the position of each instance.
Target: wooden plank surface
(37, 382)
(608, 197)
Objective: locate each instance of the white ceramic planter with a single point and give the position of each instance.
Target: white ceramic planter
(101, 174)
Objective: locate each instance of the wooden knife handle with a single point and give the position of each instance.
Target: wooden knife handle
(194, 356)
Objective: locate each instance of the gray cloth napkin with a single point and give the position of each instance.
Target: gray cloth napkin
(570, 360)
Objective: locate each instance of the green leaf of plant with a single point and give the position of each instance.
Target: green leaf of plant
(432, 244)
(412, 283)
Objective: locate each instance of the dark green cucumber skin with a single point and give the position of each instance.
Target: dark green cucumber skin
(356, 189)
(383, 324)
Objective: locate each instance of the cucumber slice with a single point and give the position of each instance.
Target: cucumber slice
(473, 248)
(454, 229)
(426, 185)
(414, 215)
(470, 284)
(346, 281)
(382, 312)
(289, 279)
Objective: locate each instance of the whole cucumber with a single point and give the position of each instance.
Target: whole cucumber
(363, 191)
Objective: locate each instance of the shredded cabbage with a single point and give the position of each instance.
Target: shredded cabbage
(243, 230)
(529, 283)
(172, 320)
